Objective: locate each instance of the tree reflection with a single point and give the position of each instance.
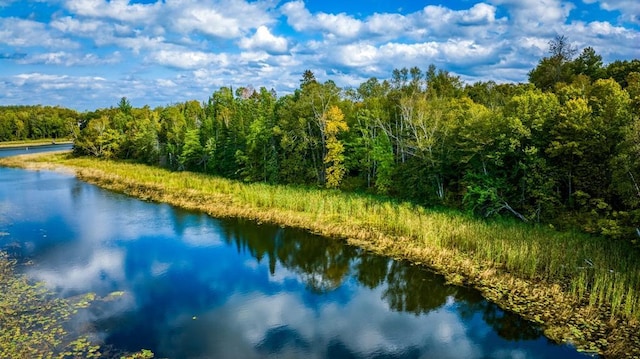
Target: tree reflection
(259, 241)
(414, 289)
(324, 263)
(506, 324)
(371, 269)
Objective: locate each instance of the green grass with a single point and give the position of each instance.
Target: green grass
(591, 273)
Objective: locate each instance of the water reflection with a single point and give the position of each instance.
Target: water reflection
(188, 286)
(24, 149)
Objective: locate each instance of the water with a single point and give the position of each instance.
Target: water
(24, 149)
(188, 286)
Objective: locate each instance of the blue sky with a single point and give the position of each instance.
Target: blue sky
(87, 54)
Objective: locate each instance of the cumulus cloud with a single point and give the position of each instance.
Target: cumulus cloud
(629, 9)
(28, 33)
(120, 10)
(187, 59)
(48, 82)
(340, 25)
(539, 16)
(207, 21)
(70, 59)
(72, 25)
(438, 17)
(263, 39)
(225, 19)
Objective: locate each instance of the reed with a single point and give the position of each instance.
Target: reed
(534, 270)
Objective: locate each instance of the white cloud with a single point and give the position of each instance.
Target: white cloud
(75, 26)
(340, 25)
(119, 10)
(46, 81)
(467, 51)
(207, 21)
(186, 59)
(28, 33)
(539, 16)
(387, 24)
(70, 59)
(612, 42)
(629, 9)
(226, 19)
(263, 39)
(434, 21)
(441, 17)
(216, 18)
(417, 54)
(479, 14)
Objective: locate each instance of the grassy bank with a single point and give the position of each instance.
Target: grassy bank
(583, 289)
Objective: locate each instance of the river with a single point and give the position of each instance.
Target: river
(185, 285)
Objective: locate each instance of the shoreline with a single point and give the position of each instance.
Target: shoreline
(8, 145)
(564, 319)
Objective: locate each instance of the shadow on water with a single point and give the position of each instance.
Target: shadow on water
(188, 286)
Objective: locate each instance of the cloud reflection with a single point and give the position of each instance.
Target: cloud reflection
(364, 327)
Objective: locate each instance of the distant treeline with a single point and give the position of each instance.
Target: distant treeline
(562, 149)
(36, 122)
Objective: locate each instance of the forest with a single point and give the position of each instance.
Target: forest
(562, 150)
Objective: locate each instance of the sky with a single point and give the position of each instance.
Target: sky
(87, 54)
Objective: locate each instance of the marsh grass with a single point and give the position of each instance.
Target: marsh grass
(561, 269)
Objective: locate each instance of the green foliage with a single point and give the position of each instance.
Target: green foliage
(36, 122)
(191, 156)
(383, 154)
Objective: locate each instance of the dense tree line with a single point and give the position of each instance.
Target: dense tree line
(36, 122)
(562, 149)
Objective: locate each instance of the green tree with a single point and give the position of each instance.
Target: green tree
(555, 68)
(192, 152)
(588, 63)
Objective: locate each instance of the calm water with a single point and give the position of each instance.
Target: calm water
(20, 150)
(189, 286)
